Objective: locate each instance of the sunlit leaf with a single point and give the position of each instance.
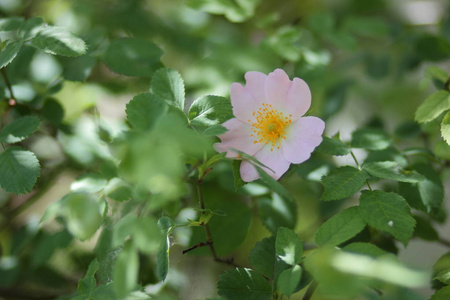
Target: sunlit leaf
(19, 129)
(20, 170)
(433, 106)
(89, 183)
(59, 41)
(31, 27)
(88, 282)
(210, 110)
(277, 212)
(9, 53)
(445, 128)
(288, 246)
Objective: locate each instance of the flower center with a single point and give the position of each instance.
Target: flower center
(269, 126)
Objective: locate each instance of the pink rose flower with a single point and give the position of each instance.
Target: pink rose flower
(269, 123)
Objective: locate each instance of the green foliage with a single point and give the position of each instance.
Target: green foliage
(370, 138)
(8, 53)
(388, 212)
(392, 170)
(243, 283)
(168, 85)
(340, 228)
(138, 188)
(342, 183)
(144, 110)
(59, 41)
(209, 111)
(433, 106)
(20, 170)
(132, 57)
(19, 129)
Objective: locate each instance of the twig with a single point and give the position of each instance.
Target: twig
(12, 100)
(310, 291)
(444, 242)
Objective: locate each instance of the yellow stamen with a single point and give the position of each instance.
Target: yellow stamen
(269, 126)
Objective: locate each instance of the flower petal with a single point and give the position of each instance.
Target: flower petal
(298, 98)
(272, 159)
(237, 137)
(243, 102)
(254, 84)
(302, 137)
(277, 88)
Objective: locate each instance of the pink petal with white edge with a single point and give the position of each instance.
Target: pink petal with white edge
(277, 88)
(302, 137)
(273, 159)
(243, 102)
(254, 83)
(298, 99)
(237, 137)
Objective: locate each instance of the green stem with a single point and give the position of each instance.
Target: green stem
(359, 167)
(8, 85)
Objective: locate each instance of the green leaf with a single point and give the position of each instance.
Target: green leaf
(433, 48)
(366, 249)
(333, 146)
(441, 269)
(10, 24)
(168, 85)
(30, 28)
(126, 270)
(433, 106)
(340, 228)
(82, 214)
(52, 111)
(59, 41)
(145, 233)
(366, 26)
(144, 110)
(88, 283)
(237, 180)
(20, 170)
(262, 257)
(370, 139)
(89, 183)
(392, 170)
(343, 182)
(235, 11)
(118, 190)
(438, 75)
(388, 212)
(243, 284)
(277, 212)
(210, 110)
(162, 259)
(19, 129)
(424, 229)
(9, 53)
(445, 127)
(288, 280)
(133, 57)
(442, 294)
(288, 246)
(442, 150)
(78, 68)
